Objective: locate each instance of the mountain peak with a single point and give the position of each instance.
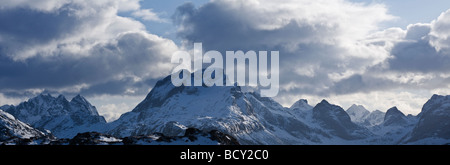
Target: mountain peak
(303, 101)
(394, 116)
(359, 108)
(374, 118)
(301, 104)
(79, 98)
(81, 102)
(325, 107)
(337, 120)
(434, 119)
(356, 106)
(42, 96)
(394, 111)
(435, 96)
(61, 96)
(434, 100)
(57, 114)
(245, 115)
(357, 113)
(164, 89)
(324, 102)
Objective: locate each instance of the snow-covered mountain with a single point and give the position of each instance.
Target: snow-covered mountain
(361, 116)
(394, 126)
(433, 125)
(169, 112)
(250, 118)
(302, 105)
(63, 118)
(374, 118)
(246, 116)
(394, 117)
(257, 120)
(11, 128)
(301, 109)
(334, 118)
(357, 113)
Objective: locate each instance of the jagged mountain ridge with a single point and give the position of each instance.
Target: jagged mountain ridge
(15, 132)
(361, 116)
(252, 119)
(249, 118)
(374, 118)
(62, 117)
(245, 115)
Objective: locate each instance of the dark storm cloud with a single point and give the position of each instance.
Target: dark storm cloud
(322, 44)
(31, 27)
(303, 41)
(322, 56)
(414, 64)
(418, 53)
(78, 48)
(364, 83)
(120, 87)
(130, 56)
(418, 56)
(21, 29)
(222, 29)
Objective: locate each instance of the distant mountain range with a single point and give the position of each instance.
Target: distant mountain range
(172, 113)
(62, 117)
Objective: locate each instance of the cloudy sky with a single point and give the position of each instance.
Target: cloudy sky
(377, 53)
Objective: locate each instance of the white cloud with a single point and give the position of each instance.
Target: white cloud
(320, 42)
(112, 112)
(148, 15)
(440, 32)
(72, 25)
(112, 106)
(330, 49)
(424, 49)
(4, 100)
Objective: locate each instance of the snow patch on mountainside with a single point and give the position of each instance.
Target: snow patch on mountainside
(357, 113)
(11, 128)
